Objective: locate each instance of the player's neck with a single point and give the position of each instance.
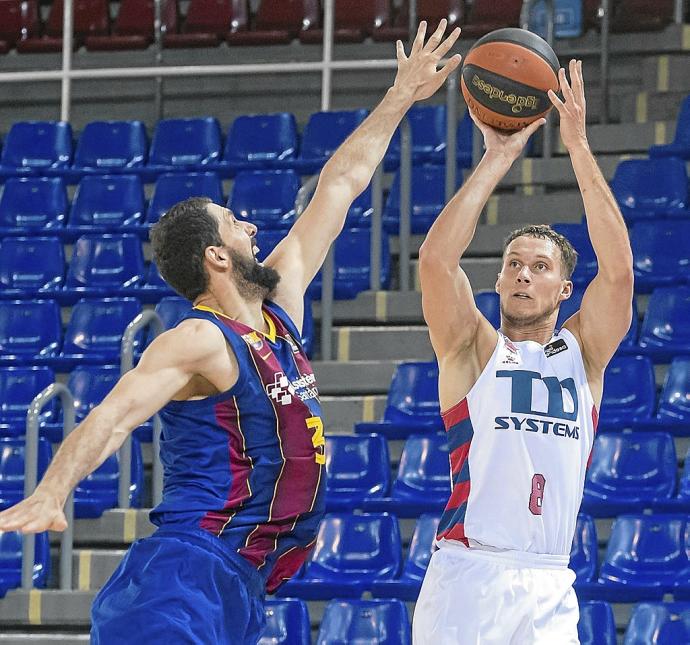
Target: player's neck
(540, 332)
(229, 304)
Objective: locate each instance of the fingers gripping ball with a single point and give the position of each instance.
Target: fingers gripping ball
(506, 77)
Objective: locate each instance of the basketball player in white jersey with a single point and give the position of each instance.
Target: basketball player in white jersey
(520, 404)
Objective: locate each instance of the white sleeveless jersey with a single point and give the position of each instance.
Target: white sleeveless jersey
(519, 444)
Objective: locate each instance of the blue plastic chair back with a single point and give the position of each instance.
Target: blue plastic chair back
(171, 189)
(29, 328)
(90, 385)
(428, 130)
(583, 552)
(665, 332)
(365, 622)
(38, 146)
(674, 401)
(353, 262)
(413, 393)
(33, 204)
(261, 140)
(12, 464)
(287, 623)
(325, 131)
(597, 625)
(171, 310)
(31, 264)
(660, 255)
(18, 387)
(465, 140)
(659, 623)
(108, 146)
(428, 192)
(424, 471)
(489, 304)
(267, 240)
(578, 236)
(567, 18)
(11, 560)
(421, 547)
(629, 391)
(265, 197)
(108, 201)
(680, 147)
(186, 143)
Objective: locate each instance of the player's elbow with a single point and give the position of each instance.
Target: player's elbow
(350, 180)
(619, 277)
(432, 261)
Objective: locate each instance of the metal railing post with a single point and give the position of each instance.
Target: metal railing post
(30, 480)
(550, 34)
(412, 24)
(158, 43)
(451, 134)
(66, 87)
(142, 320)
(326, 73)
(405, 203)
(679, 12)
(605, 14)
(376, 228)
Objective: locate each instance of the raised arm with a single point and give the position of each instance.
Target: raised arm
(348, 172)
(164, 369)
(606, 310)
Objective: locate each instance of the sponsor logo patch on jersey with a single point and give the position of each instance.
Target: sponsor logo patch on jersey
(281, 390)
(556, 347)
(253, 339)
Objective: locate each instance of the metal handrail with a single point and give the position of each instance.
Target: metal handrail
(31, 479)
(141, 321)
(452, 95)
(405, 205)
(604, 14)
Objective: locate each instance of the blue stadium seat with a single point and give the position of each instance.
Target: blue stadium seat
(90, 385)
(12, 464)
(170, 310)
(94, 331)
(629, 473)
(31, 267)
(358, 469)
(359, 215)
(110, 147)
(423, 482)
(261, 141)
(287, 623)
(568, 21)
(629, 393)
(351, 553)
(107, 203)
(18, 387)
(651, 188)
(428, 199)
(597, 625)
(308, 327)
(412, 404)
(11, 561)
(33, 147)
(32, 205)
(647, 556)
(660, 254)
(665, 333)
(659, 623)
(154, 287)
(104, 265)
(489, 304)
(265, 198)
(465, 140)
(185, 145)
(98, 491)
(408, 585)
(684, 483)
(680, 146)
(352, 270)
(674, 401)
(30, 331)
(171, 188)
(365, 622)
(428, 131)
(322, 135)
(583, 552)
(578, 236)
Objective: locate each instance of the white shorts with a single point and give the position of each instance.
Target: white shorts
(478, 597)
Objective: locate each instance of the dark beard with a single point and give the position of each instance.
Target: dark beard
(254, 281)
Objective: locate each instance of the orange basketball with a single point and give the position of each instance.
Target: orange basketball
(506, 76)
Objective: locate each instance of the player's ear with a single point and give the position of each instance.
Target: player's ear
(498, 279)
(216, 255)
(566, 290)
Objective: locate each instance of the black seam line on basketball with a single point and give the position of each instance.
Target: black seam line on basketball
(513, 35)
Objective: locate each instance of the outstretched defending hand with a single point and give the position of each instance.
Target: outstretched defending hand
(37, 513)
(417, 76)
(506, 144)
(573, 111)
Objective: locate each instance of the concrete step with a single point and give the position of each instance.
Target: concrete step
(37, 638)
(481, 272)
(665, 72)
(366, 342)
(377, 306)
(642, 107)
(50, 607)
(91, 568)
(117, 527)
(354, 377)
(514, 209)
(340, 413)
(624, 138)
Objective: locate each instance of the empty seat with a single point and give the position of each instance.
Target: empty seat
(578, 236)
(171, 309)
(133, 28)
(428, 131)
(597, 625)
(287, 623)
(107, 203)
(674, 401)
(278, 21)
(659, 260)
(34, 204)
(659, 623)
(18, 388)
(665, 332)
(680, 146)
(171, 189)
(630, 472)
(357, 468)
(647, 556)
(261, 141)
(91, 18)
(95, 328)
(12, 467)
(489, 304)
(154, 287)
(583, 552)
(33, 147)
(428, 199)
(265, 197)
(385, 622)
(104, 265)
(629, 392)
(352, 551)
(423, 482)
(11, 560)
(208, 21)
(19, 19)
(408, 585)
(185, 145)
(651, 188)
(111, 146)
(640, 15)
(323, 134)
(31, 266)
(412, 404)
(484, 16)
(90, 385)
(568, 21)
(432, 11)
(30, 331)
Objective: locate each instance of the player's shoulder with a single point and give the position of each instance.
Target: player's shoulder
(191, 339)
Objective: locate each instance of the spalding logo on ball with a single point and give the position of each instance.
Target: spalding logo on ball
(506, 76)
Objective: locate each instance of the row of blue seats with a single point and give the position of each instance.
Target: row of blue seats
(253, 142)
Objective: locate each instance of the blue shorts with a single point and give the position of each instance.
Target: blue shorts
(179, 586)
